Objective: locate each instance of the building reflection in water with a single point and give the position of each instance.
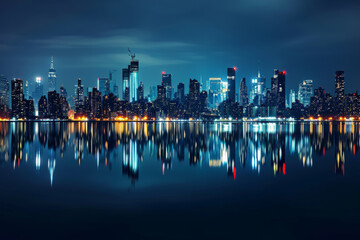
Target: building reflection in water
(228, 146)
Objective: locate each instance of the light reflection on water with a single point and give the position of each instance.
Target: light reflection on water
(219, 145)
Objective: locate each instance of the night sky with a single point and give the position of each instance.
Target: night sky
(190, 39)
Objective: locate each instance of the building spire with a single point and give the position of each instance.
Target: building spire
(259, 74)
(52, 63)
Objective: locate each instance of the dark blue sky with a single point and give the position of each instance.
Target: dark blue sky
(308, 39)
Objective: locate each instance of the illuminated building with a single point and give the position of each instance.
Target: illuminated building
(258, 89)
(54, 107)
(231, 84)
(181, 93)
(133, 80)
(4, 91)
(292, 97)
(305, 92)
(244, 100)
(153, 93)
(278, 90)
(103, 85)
(42, 107)
(125, 79)
(140, 91)
(63, 92)
(95, 103)
(17, 98)
(215, 92)
(52, 76)
(166, 82)
(79, 96)
(340, 91)
(38, 91)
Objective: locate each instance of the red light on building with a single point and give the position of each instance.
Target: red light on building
(234, 68)
(163, 72)
(284, 72)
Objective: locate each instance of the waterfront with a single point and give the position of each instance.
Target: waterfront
(179, 180)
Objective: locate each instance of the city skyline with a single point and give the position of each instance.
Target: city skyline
(91, 49)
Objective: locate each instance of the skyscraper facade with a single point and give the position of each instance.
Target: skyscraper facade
(38, 91)
(305, 92)
(231, 84)
(292, 98)
(340, 92)
(140, 91)
(4, 91)
(17, 98)
(278, 90)
(244, 100)
(215, 92)
(133, 80)
(166, 82)
(258, 89)
(52, 76)
(79, 96)
(181, 93)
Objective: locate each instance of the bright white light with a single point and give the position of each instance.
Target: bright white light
(38, 79)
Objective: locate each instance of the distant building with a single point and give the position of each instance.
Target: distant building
(133, 79)
(140, 92)
(39, 89)
(292, 97)
(125, 79)
(17, 99)
(42, 107)
(181, 93)
(63, 92)
(4, 91)
(52, 76)
(258, 89)
(244, 100)
(153, 93)
(305, 92)
(103, 85)
(340, 92)
(54, 107)
(166, 82)
(79, 96)
(215, 92)
(278, 90)
(95, 103)
(231, 84)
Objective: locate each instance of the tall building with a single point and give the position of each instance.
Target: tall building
(278, 90)
(54, 108)
(292, 97)
(140, 91)
(231, 84)
(38, 91)
(153, 93)
(258, 89)
(181, 92)
(52, 76)
(103, 85)
(17, 99)
(166, 82)
(244, 99)
(133, 79)
(340, 92)
(63, 92)
(26, 89)
(194, 90)
(215, 92)
(125, 84)
(42, 107)
(79, 96)
(305, 92)
(95, 103)
(4, 91)
(161, 94)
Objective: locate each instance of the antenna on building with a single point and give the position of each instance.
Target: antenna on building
(259, 74)
(52, 63)
(131, 55)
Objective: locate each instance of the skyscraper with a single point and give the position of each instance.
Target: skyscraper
(43, 107)
(52, 76)
(17, 98)
(38, 91)
(292, 97)
(181, 93)
(194, 90)
(244, 99)
(26, 89)
(63, 92)
(166, 82)
(54, 108)
(340, 92)
(258, 89)
(305, 92)
(215, 92)
(140, 91)
(278, 90)
(79, 96)
(4, 91)
(231, 84)
(125, 84)
(153, 93)
(103, 85)
(133, 79)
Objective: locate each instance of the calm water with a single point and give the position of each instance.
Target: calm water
(179, 180)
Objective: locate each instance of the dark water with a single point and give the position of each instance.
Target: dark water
(179, 180)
